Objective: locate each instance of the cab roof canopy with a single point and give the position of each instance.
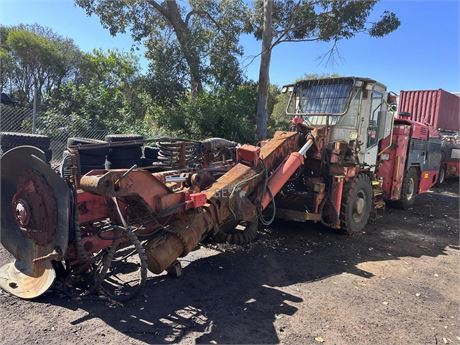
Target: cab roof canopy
(331, 80)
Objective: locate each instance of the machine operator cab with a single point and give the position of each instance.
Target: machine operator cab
(354, 108)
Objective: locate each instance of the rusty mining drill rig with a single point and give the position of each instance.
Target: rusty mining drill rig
(100, 231)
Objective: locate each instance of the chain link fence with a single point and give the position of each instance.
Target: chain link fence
(59, 128)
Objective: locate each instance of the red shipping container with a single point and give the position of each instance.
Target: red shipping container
(438, 108)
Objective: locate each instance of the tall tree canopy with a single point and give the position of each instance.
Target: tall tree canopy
(108, 95)
(278, 21)
(35, 58)
(195, 41)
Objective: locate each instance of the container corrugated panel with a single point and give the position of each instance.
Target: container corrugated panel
(438, 108)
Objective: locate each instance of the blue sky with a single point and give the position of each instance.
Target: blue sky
(424, 53)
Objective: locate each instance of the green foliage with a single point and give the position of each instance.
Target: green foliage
(191, 44)
(310, 76)
(167, 76)
(325, 20)
(111, 68)
(223, 113)
(33, 50)
(278, 119)
(109, 97)
(33, 57)
(278, 21)
(388, 22)
(194, 86)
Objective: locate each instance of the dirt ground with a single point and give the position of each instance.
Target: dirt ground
(397, 283)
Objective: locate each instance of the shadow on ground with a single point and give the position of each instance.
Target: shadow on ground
(234, 296)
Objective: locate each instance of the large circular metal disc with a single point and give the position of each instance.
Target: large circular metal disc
(22, 285)
(21, 205)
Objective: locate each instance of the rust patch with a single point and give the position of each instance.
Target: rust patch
(34, 208)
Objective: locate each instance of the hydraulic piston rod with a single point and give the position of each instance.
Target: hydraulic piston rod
(284, 172)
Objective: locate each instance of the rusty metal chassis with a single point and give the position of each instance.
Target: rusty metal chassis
(144, 199)
(174, 218)
(317, 194)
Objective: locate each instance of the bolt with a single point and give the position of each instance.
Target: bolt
(22, 213)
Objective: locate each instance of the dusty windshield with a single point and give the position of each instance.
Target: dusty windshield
(316, 98)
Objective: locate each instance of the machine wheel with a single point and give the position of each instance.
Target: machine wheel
(442, 176)
(231, 233)
(409, 189)
(356, 204)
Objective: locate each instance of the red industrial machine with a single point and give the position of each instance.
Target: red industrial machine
(441, 110)
(450, 159)
(99, 232)
(410, 161)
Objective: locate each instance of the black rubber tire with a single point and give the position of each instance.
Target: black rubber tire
(355, 213)
(99, 152)
(13, 139)
(87, 168)
(5, 148)
(408, 191)
(228, 233)
(147, 162)
(151, 152)
(115, 138)
(122, 164)
(442, 176)
(48, 152)
(83, 141)
(124, 153)
(91, 155)
(48, 155)
(90, 159)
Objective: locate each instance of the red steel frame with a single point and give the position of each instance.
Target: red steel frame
(393, 162)
(427, 180)
(392, 167)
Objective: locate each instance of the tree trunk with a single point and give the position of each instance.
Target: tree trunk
(184, 38)
(267, 36)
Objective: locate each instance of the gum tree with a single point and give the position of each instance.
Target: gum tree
(281, 21)
(197, 39)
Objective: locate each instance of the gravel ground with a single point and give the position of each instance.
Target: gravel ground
(398, 283)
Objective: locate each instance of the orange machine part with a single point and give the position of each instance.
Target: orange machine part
(281, 175)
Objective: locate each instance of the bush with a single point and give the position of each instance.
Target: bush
(222, 113)
(278, 120)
